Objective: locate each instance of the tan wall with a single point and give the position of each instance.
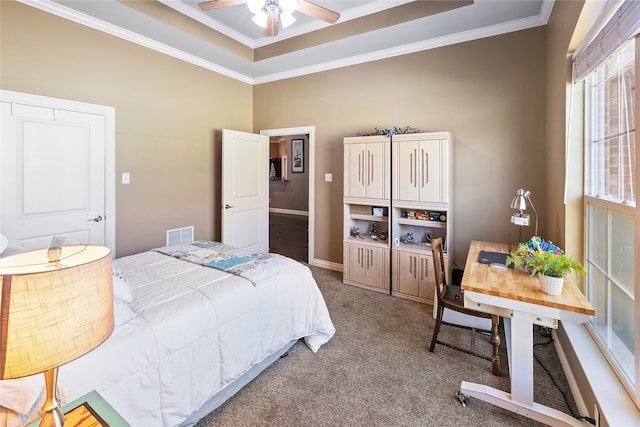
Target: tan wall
(169, 116)
(489, 93)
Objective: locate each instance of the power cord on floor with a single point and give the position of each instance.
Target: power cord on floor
(546, 332)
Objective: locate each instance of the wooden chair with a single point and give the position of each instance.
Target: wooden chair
(451, 298)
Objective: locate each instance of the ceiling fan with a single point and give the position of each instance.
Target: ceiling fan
(267, 13)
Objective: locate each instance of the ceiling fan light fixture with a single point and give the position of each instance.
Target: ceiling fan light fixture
(255, 6)
(286, 20)
(288, 6)
(260, 19)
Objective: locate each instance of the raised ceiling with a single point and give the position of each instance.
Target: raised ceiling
(227, 41)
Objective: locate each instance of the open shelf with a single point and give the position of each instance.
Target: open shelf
(369, 217)
(422, 223)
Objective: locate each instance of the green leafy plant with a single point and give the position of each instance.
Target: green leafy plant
(538, 256)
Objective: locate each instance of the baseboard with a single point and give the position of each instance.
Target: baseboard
(288, 211)
(571, 379)
(334, 266)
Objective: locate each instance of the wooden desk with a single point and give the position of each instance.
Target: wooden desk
(518, 298)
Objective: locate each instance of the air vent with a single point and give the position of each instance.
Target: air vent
(178, 236)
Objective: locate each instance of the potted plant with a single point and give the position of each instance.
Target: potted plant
(549, 262)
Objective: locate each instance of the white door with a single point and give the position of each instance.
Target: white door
(245, 190)
(53, 171)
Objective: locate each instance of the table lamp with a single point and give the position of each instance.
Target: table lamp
(56, 304)
(521, 202)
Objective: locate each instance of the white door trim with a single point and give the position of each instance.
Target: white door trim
(311, 131)
(109, 114)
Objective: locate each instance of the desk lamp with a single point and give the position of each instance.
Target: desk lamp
(56, 304)
(521, 202)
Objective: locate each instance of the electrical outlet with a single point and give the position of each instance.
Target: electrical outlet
(126, 178)
(328, 177)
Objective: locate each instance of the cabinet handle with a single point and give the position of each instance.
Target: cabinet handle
(369, 260)
(361, 167)
(425, 168)
(410, 167)
(370, 167)
(415, 267)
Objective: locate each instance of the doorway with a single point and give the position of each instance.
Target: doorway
(292, 222)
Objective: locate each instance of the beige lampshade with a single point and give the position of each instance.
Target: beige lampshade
(53, 312)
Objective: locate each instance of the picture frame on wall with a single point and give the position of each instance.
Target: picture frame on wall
(297, 153)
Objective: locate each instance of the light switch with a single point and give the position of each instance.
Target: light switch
(328, 177)
(125, 178)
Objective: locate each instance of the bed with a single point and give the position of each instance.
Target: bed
(194, 324)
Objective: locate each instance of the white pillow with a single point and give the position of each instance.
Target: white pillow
(21, 394)
(3, 243)
(122, 313)
(121, 289)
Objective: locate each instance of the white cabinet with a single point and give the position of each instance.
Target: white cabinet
(366, 168)
(366, 266)
(421, 208)
(421, 167)
(418, 167)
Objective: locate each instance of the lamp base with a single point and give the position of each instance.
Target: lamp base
(53, 416)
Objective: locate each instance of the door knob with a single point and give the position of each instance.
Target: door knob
(227, 206)
(96, 219)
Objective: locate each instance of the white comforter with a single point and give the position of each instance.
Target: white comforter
(194, 331)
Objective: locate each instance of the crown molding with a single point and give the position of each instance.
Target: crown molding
(91, 22)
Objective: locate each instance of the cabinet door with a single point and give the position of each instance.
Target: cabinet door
(356, 262)
(406, 173)
(427, 279)
(355, 170)
(414, 275)
(408, 273)
(375, 178)
(376, 270)
(429, 171)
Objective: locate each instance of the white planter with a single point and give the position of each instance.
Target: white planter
(551, 285)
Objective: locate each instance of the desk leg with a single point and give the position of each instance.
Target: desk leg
(519, 337)
(521, 361)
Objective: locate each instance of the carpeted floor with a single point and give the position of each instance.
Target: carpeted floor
(377, 371)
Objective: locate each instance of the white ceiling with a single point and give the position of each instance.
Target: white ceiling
(179, 28)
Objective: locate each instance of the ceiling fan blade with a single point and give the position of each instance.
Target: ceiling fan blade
(272, 24)
(217, 4)
(317, 12)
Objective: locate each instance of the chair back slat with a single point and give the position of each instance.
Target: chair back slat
(438, 266)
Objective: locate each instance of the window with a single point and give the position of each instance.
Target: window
(610, 207)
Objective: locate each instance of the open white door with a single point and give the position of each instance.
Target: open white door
(56, 171)
(245, 190)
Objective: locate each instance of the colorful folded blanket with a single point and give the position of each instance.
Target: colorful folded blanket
(253, 266)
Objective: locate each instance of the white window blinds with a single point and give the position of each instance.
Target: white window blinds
(623, 24)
